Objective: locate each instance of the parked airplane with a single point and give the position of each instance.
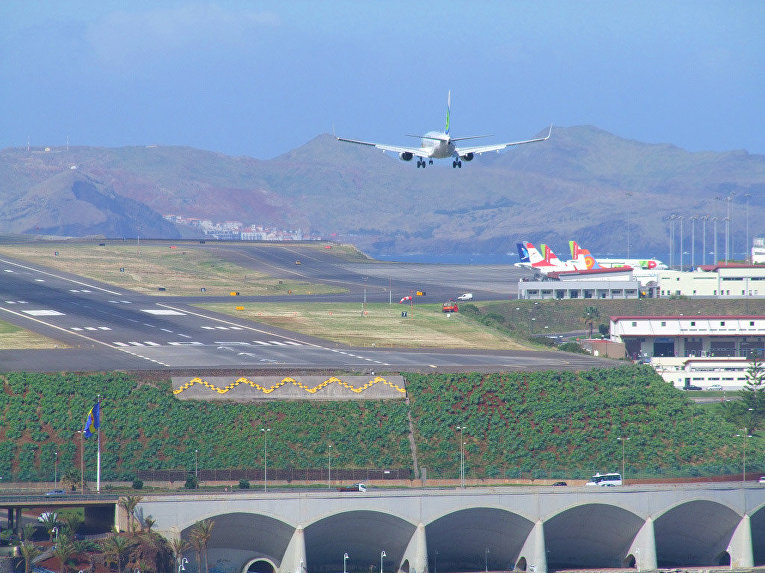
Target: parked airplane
(645, 264)
(530, 258)
(441, 145)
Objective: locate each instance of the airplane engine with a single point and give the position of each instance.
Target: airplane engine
(467, 157)
(405, 156)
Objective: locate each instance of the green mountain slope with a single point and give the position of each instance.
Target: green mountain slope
(545, 423)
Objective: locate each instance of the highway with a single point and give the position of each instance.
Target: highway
(108, 328)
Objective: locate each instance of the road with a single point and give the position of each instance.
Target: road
(108, 328)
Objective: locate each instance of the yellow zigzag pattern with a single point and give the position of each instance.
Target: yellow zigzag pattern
(283, 381)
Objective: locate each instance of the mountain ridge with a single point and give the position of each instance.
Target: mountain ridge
(584, 183)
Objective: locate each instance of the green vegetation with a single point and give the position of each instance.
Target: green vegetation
(379, 324)
(13, 337)
(543, 424)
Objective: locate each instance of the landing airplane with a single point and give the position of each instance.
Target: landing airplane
(441, 145)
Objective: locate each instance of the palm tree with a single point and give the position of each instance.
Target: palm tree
(149, 522)
(196, 544)
(71, 523)
(49, 519)
(28, 552)
(63, 552)
(116, 547)
(129, 504)
(178, 545)
(591, 313)
(200, 536)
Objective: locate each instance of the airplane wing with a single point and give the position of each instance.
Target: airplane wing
(478, 149)
(416, 151)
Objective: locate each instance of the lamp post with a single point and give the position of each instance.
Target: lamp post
(462, 456)
(622, 440)
(714, 239)
(680, 217)
(196, 466)
(82, 461)
(345, 558)
(329, 467)
(672, 218)
(748, 245)
(745, 435)
(629, 195)
(486, 560)
(55, 470)
(704, 220)
(728, 239)
(382, 554)
(693, 241)
(265, 457)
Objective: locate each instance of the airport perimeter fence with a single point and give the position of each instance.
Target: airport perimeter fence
(278, 474)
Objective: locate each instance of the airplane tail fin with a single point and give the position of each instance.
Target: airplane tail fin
(549, 256)
(583, 256)
(523, 253)
(448, 110)
(534, 257)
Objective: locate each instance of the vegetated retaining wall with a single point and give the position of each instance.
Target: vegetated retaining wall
(244, 389)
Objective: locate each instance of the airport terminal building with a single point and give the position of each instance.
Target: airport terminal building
(731, 280)
(695, 350)
(588, 284)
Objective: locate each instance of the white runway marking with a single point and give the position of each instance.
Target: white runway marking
(43, 312)
(162, 312)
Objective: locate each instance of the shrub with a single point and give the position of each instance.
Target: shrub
(137, 484)
(244, 484)
(191, 483)
(572, 347)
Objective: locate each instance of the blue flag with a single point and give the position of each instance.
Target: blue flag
(93, 422)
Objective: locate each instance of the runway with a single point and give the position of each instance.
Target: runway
(106, 328)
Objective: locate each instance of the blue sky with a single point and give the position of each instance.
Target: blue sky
(261, 78)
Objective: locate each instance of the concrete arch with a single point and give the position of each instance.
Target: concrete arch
(460, 540)
(259, 565)
(363, 534)
(757, 522)
(241, 539)
(593, 535)
(694, 534)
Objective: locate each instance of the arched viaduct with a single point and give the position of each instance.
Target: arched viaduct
(452, 531)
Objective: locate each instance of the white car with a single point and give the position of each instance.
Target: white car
(762, 479)
(466, 296)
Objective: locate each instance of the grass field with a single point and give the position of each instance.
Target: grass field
(148, 268)
(425, 326)
(15, 338)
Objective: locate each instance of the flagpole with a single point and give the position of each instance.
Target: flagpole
(98, 459)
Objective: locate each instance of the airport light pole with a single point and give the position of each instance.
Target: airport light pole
(486, 560)
(745, 435)
(727, 239)
(714, 238)
(462, 456)
(265, 457)
(345, 558)
(196, 466)
(622, 440)
(748, 240)
(55, 470)
(693, 241)
(329, 466)
(629, 205)
(704, 220)
(681, 241)
(382, 554)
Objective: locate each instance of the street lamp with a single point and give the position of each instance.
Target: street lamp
(680, 217)
(462, 456)
(714, 237)
(382, 554)
(196, 466)
(704, 220)
(693, 241)
(748, 245)
(745, 435)
(628, 194)
(622, 440)
(265, 457)
(55, 470)
(329, 467)
(82, 460)
(345, 558)
(486, 560)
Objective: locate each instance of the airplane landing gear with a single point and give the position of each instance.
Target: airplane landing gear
(421, 163)
(456, 163)
(430, 161)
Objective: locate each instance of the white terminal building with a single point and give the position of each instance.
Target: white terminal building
(693, 350)
(723, 280)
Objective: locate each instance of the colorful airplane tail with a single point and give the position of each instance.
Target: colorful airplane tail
(579, 254)
(550, 257)
(523, 253)
(448, 111)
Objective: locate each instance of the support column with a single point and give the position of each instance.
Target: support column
(17, 522)
(533, 550)
(294, 560)
(417, 551)
(643, 547)
(740, 548)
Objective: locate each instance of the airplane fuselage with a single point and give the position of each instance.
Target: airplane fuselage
(438, 145)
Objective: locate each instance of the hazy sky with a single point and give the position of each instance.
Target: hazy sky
(260, 78)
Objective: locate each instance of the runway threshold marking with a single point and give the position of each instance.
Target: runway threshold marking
(58, 277)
